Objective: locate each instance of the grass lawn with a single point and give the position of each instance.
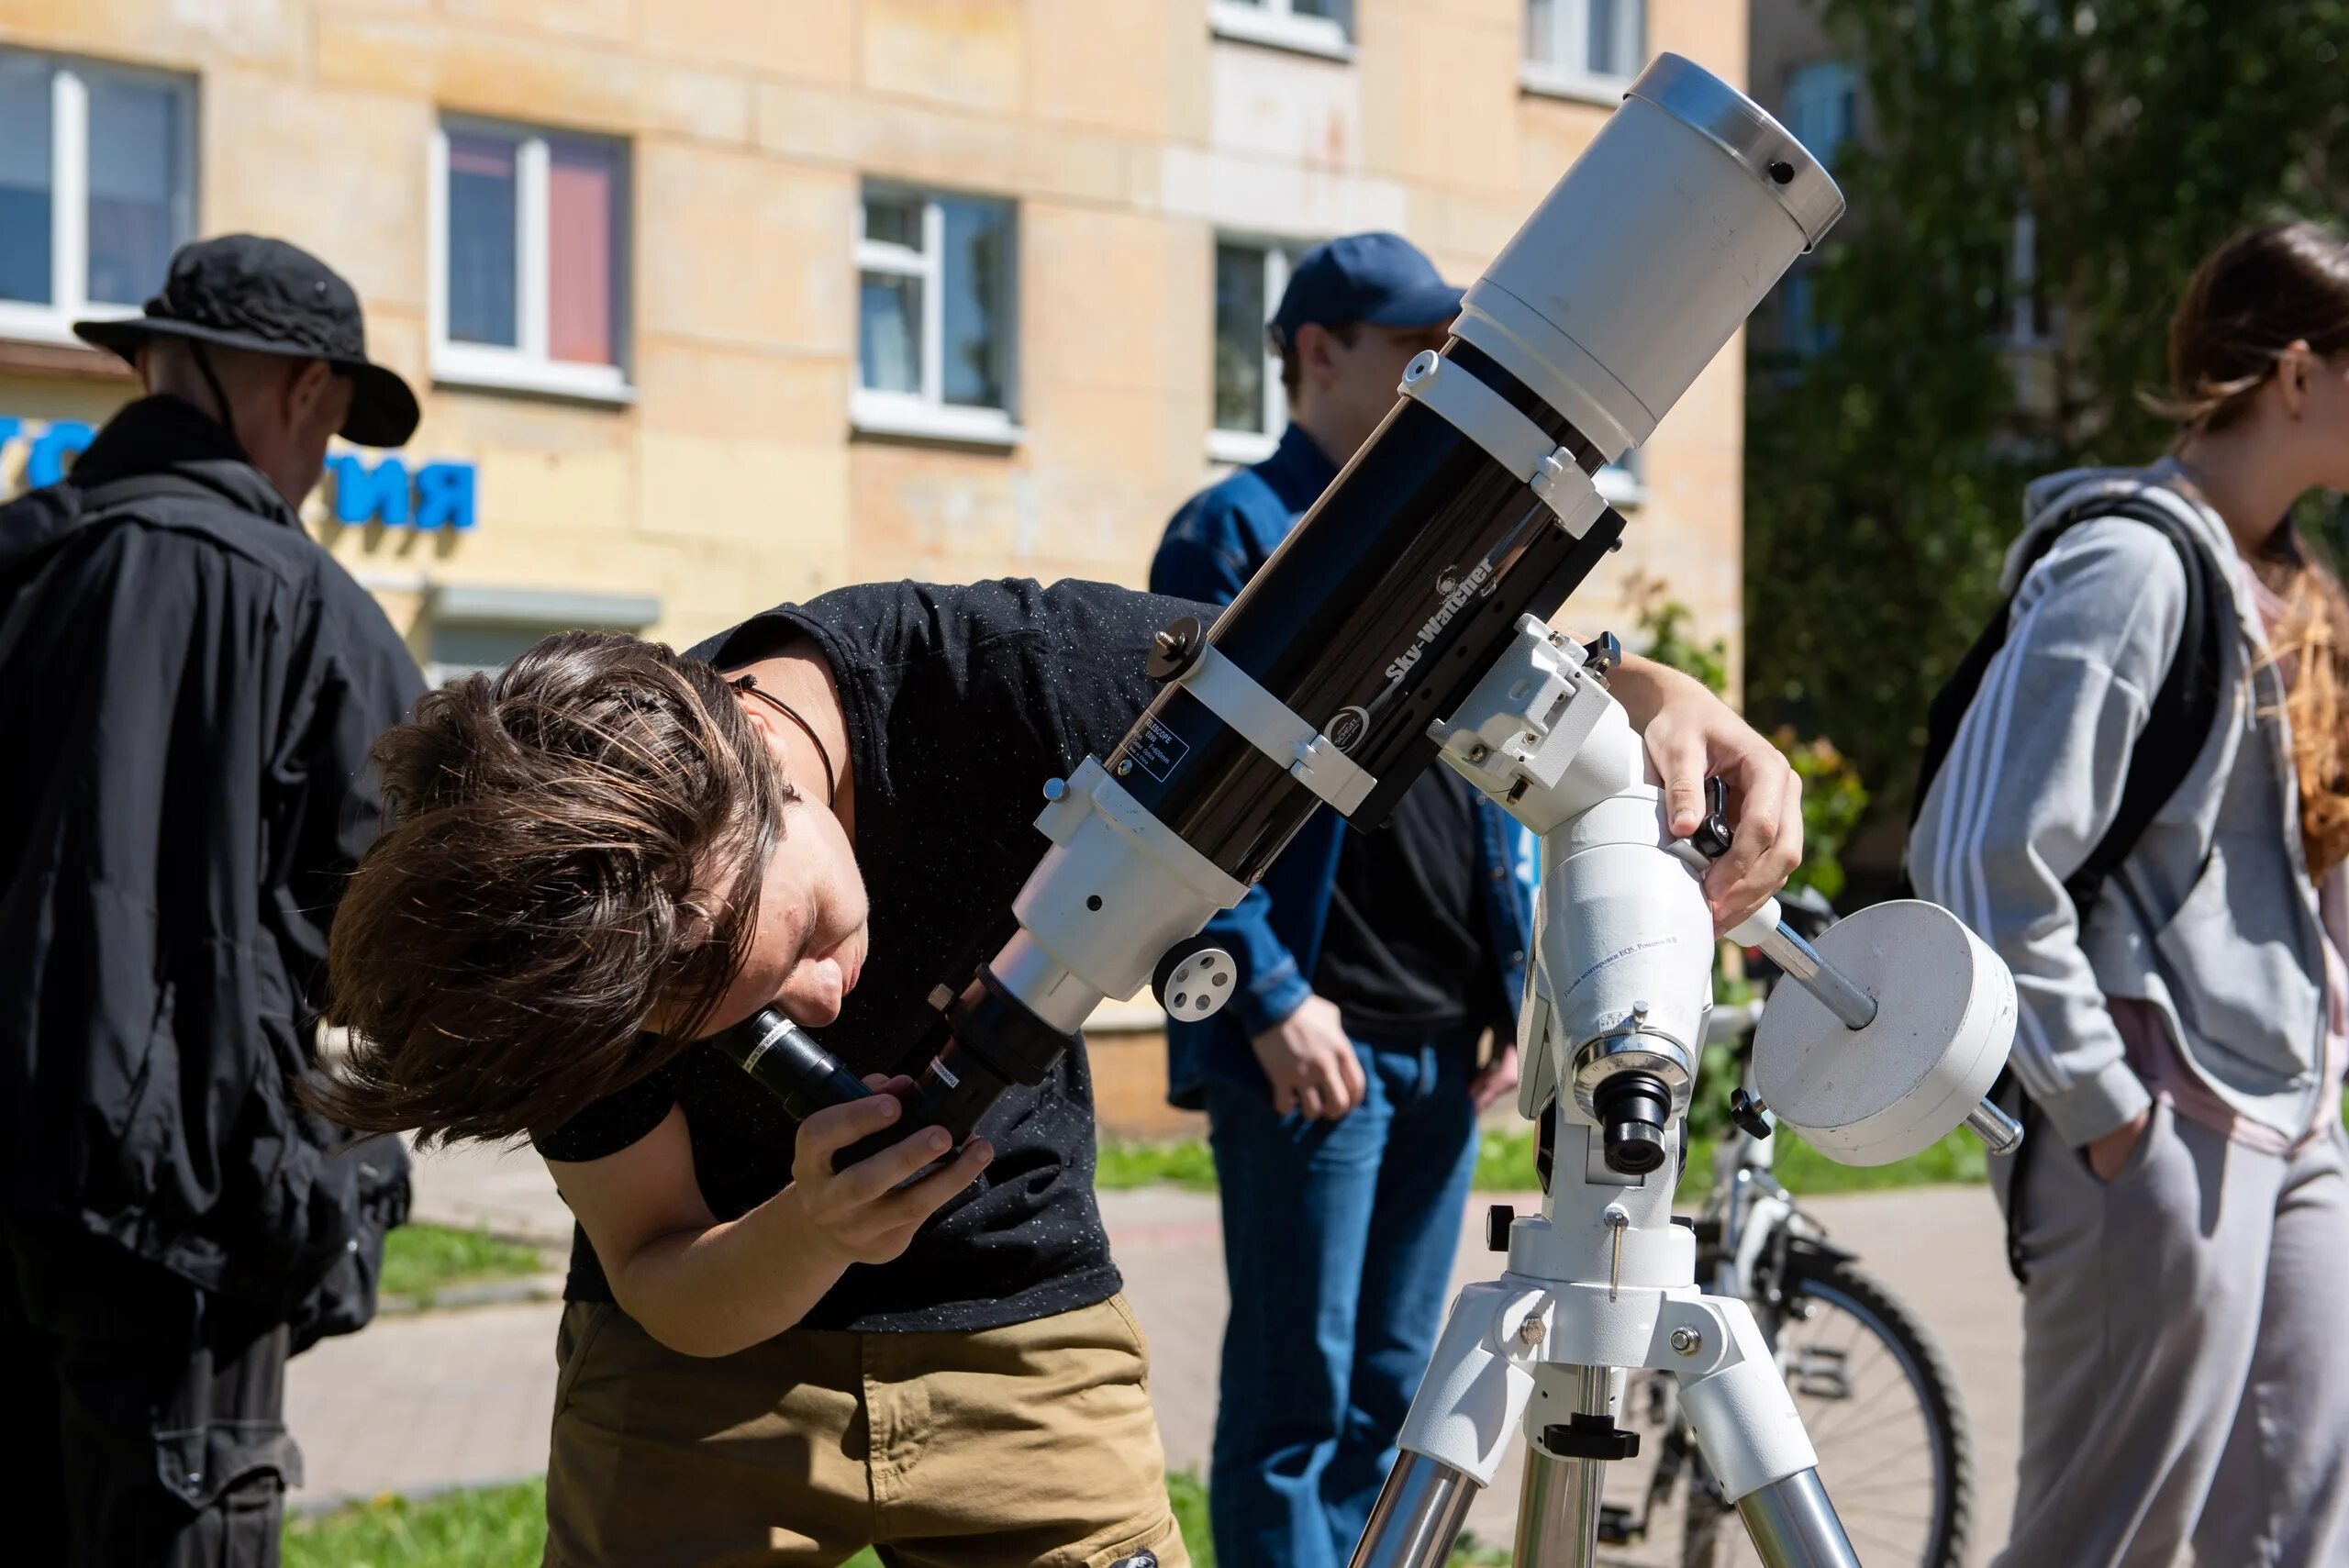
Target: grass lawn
(493, 1527)
(420, 1261)
(1505, 1164)
(505, 1527)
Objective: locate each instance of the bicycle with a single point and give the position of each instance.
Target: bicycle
(1875, 1390)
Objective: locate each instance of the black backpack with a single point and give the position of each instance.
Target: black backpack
(2177, 720)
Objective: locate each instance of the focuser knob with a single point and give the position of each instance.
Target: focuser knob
(1747, 1112)
(1194, 979)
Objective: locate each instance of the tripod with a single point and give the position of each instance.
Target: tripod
(1898, 1030)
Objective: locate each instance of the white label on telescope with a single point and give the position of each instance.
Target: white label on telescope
(945, 1075)
(1159, 749)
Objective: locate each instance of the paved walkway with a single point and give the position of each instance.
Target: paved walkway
(460, 1398)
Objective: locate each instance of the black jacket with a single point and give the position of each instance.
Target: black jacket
(189, 685)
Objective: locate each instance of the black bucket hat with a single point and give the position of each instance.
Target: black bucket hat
(243, 291)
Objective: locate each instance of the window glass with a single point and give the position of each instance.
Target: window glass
(25, 164)
(889, 333)
(977, 237)
(1241, 312)
(138, 205)
(583, 238)
(483, 239)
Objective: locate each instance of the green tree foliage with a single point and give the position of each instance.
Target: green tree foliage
(1832, 796)
(1885, 475)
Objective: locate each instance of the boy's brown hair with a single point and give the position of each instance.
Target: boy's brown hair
(572, 840)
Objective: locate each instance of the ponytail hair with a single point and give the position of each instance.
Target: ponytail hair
(2249, 301)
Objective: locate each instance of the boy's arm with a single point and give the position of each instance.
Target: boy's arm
(708, 1287)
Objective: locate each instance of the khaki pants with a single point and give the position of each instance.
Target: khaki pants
(1032, 1444)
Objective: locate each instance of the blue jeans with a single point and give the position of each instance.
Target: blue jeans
(1337, 1241)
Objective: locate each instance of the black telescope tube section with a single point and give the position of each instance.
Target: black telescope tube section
(1378, 614)
(994, 1043)
(785, 1058)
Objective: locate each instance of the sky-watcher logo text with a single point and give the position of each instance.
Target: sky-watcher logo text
(1465, 589)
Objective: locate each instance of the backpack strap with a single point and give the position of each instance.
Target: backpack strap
(2179, 718)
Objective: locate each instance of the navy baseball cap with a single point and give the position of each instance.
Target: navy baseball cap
(1382, 280)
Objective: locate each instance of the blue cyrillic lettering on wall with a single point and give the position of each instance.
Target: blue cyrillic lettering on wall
(436, 495)
(444, 495)
(45, 465)
(386, 492)
(364, 494)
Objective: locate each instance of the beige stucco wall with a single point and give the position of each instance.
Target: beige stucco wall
(1126, 134)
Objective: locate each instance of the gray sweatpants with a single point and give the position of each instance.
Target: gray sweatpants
(2186, 1355)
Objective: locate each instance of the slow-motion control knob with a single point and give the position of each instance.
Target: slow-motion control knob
(1194, 980)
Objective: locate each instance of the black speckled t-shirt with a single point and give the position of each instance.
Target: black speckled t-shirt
(960, 702)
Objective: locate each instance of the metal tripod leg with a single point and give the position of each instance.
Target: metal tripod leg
(1751, 1437)
(1557, 1509)
(1418, 1515)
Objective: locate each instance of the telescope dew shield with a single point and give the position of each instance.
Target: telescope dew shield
(1679, 217)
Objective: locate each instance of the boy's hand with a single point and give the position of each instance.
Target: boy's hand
(1691, 736)
(859, 1213)
(1311, 1063)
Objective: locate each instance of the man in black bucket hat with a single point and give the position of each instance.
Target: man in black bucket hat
(191, 685)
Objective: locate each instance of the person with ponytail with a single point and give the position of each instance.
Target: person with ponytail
(2180, 1215)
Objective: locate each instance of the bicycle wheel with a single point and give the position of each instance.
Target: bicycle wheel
(1880, 1404)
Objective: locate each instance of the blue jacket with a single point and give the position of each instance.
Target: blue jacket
(1214, 545)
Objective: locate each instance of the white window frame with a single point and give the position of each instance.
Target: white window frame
(1241, 447)
(927, 414)
(531, 612)
(1276, 23)
(525, 367)
(69, 199)
(1570, 76)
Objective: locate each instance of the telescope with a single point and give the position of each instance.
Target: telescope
(1406, 618)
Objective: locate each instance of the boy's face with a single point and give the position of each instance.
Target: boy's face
(810, 941)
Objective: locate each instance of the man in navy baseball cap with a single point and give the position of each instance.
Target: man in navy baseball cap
(1344, 1075)
(1354, 313)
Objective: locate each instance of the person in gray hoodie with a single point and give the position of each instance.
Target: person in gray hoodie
(2181, 1211)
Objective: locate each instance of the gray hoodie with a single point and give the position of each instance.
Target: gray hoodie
(2212, 918)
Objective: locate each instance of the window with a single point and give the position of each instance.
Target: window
(1824, 106)
(1310, 27)
(481, 627)
(98, 188)
(1251, 408)
(936, 319)
(530, 261)
(1585, 49)
(1801, 332)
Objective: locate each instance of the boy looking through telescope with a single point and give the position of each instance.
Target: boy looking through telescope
(609, 851)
